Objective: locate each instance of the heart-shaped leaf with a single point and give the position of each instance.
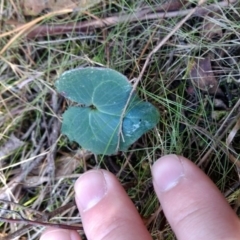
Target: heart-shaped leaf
(102, 94)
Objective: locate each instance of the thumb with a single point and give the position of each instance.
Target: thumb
(193, 205)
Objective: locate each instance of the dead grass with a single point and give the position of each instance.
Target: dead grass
(39, 166)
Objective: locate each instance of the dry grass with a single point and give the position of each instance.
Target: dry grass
(39, 166)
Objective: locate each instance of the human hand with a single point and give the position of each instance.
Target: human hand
(192, 204)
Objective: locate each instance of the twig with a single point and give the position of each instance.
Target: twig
(164, 40)
(61, 209)
(40, 221)
(21, 206)
(170, 5)
(46, 30)
(54, 126)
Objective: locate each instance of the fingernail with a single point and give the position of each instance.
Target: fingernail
(55, 234)
(90, 188)
(167, 172)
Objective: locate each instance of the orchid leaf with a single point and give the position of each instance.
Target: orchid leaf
(101, 95)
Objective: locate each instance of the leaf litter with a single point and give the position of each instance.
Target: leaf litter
(34, 8)
(211, 28)
(12, 144)
(202, 76)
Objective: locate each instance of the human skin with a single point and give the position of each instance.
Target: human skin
(193, 205)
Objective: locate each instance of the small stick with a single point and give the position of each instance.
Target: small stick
(46, 30)
(42, 220)
(40, 223)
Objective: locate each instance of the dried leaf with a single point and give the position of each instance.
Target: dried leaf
(33, 7)
(85, 4)
(218, 103)
(67, 165)
(11, 145)
(210, 29)
(172, 5)
(202, 76)
(64, 166)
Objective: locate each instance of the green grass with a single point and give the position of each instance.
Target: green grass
(29, 68)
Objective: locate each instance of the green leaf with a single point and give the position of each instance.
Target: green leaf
(140, 118)
(102, 94)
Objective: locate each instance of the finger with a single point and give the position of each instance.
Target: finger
(59, 234)
(106, 210)
(193, 205)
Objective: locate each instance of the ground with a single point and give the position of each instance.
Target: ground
(183, 59)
